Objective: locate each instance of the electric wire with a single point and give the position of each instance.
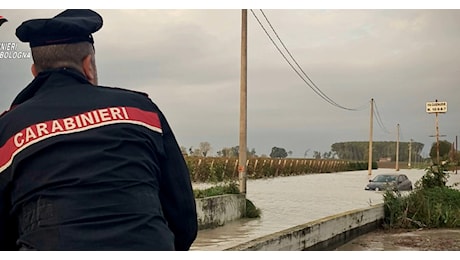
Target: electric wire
(314, 87)
(379, 119)
(294, 60)
(401, 135)
(290, 64)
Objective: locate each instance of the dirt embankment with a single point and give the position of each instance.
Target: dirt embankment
(406, 240)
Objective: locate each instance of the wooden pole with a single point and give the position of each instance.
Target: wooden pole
(437, 139)
(243, 105)
(370, 137)
(397, 149)
(410, 154)
(456, 155)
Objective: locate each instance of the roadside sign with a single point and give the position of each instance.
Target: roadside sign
(436, 107)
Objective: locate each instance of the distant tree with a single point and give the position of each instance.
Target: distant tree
(235, 151)
(229, 152)
(444, 150)
(359, 151)
(290, 153)
(183, 150)
(278, 153)
(317, 154)
(205, 147)
(196, 152)
(225, 152)
(252, 153)
(327, 155)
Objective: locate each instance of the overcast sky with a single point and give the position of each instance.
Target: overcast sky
(188, 61)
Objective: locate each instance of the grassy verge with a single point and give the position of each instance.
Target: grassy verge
(432, 204)
(229, 188)
(220, 189)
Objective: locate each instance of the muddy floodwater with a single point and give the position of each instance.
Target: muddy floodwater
(290, 201)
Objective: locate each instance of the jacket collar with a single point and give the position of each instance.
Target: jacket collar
(36, 84)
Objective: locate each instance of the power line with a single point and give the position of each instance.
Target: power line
(314, 87)
(379, 119)
(303, 72)
(401, 135)
(382, 126)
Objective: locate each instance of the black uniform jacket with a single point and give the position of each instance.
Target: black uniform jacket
(85, 167)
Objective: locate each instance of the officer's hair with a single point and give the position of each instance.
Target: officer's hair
(61, 55)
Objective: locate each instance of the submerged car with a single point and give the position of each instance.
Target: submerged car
(381, 182)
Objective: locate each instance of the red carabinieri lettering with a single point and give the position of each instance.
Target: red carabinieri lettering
(78, 123)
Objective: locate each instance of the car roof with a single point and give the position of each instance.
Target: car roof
(388, 175)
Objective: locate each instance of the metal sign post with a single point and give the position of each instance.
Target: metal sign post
(436, 108)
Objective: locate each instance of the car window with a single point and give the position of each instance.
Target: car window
(380, 178)
(385, 178)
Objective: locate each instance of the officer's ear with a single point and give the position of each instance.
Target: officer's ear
(34, 70)
(89, 70)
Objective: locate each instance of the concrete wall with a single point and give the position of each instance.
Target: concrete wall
(323, 234)
(217, 210)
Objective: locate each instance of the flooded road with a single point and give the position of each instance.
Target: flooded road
(290, 201)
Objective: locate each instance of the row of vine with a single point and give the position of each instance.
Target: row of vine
(217, 169)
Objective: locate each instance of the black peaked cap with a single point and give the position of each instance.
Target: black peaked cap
(70, 26)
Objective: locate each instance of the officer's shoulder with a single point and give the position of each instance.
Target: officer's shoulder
(6, 111)
(124, 90)
(3, 113)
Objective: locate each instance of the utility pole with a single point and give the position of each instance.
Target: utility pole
(410, 154)
(243, 104)
(369, 167)
(397, 149)
(437, 139)
(436, 107)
